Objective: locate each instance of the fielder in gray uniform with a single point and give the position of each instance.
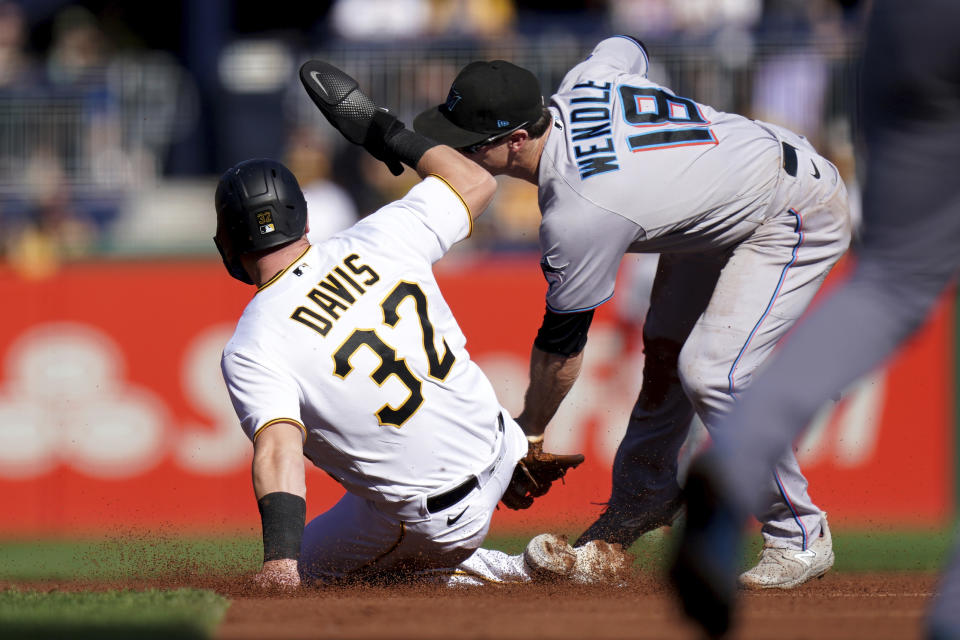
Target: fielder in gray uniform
(909, 253)
(748, 219)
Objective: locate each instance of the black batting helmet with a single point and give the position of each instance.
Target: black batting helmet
(259, 206)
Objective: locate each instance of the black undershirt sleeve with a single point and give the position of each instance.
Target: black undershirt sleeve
(564, 334)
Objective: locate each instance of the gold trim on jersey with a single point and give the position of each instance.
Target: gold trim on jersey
(457, 193)
(285, 269)
(270, 423)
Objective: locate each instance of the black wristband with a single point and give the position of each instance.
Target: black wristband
(409, 146)
(282, 517)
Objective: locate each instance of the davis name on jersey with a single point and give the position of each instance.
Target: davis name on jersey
(332, 294)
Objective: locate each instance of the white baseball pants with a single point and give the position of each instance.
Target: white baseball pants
(360, 538)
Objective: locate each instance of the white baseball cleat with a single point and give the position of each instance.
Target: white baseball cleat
(789, 568)
(550, 557)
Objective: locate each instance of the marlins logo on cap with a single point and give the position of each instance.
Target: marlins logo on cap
(453, 98)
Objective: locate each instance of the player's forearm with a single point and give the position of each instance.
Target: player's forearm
(279, 474)
(474, 184)
(278, 482)
(278, 462)
(551, 378)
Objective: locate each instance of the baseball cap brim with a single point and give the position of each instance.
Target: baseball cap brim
(434, 124)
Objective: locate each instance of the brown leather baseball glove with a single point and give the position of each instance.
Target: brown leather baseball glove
(535, 473)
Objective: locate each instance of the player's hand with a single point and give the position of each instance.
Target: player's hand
(350, 111)
(278, 574)
(535, 473)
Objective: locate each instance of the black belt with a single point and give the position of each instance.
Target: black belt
(447, 499)
(789, 159)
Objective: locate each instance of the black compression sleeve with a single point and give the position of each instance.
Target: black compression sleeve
(564, 334)
(282, 516)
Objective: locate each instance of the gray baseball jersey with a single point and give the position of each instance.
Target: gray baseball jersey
(630, 167)
(748, 219)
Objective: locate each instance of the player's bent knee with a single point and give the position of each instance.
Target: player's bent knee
(706, 385)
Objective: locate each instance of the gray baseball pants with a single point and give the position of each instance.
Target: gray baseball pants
(714, 319)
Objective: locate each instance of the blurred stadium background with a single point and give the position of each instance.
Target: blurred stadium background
(116, 118)
(108, 108)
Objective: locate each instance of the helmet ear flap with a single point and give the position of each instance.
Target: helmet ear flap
(233, 264)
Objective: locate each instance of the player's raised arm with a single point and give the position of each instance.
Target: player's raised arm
(474, 183)
(350, 111)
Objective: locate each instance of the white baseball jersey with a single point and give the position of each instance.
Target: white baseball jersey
(630, 167)
(354, 343)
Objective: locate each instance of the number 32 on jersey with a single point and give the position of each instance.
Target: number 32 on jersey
(390, 365)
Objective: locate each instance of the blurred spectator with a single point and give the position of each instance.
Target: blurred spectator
(17, 74)
(379, 19)
(78, 53)
(663, 19)
(407, 19)
(16, 67)
(36, 243)
(483, 19)
(791, 84)
(76, 66)
(645, 19)
(706, 16)
(104, 123)
(789, 90)
(329, 207)
(69, 134)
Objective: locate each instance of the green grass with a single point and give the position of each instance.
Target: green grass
(145, 615)
(892, 551)
(881, 550)
(130, 558)
(856, 551)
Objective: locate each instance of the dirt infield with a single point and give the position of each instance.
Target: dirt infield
(839, 606)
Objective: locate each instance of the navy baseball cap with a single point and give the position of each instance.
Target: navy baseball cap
(486, 99)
